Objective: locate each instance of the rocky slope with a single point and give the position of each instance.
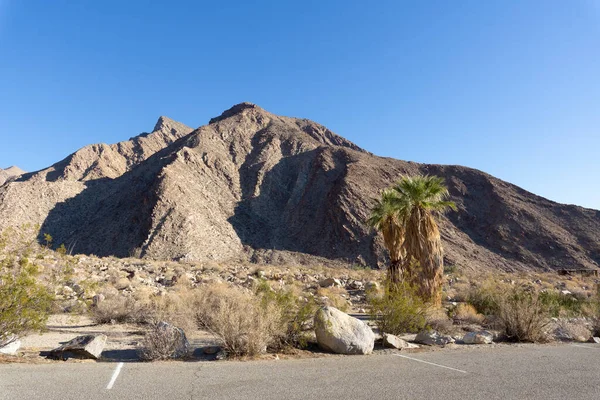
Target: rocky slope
(255, 186)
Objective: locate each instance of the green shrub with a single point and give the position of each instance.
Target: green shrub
(560, 305)
(24, 302)
(398, 311)
(484, 298)
(295, 313)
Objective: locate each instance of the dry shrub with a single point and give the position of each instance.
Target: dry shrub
(177, 308)
(163, 342)
(250, 323)
(116, 308)
(466, 313)
(244, 326)
(522, 315)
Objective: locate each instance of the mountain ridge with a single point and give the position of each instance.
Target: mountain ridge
(254, 186)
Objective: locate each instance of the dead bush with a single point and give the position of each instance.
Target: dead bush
(244, 326)
(522, 315)
(177, 308)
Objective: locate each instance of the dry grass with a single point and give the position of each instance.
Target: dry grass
(116, 308)
(335, 297)
(466, 313)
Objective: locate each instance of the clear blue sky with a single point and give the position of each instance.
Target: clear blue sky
(508, 87)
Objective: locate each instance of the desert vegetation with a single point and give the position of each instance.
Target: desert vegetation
(252, 310)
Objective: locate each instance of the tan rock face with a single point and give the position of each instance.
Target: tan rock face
(255, 186)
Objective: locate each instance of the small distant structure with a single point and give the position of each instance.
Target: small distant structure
(578, 271)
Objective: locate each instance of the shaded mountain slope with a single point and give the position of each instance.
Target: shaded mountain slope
(254, 186)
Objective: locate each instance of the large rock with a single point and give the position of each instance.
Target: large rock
(86, 346)
(395, 342)
(10, 347)
(171, 340)
(340, 333)
(433, 338)
(481, 337)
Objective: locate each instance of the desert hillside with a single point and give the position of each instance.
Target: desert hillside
(254, 186)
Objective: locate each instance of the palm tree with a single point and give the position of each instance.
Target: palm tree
(417, 201)
(384, 217)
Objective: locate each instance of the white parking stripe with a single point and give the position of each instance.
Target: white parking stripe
(114, 376)
(586, 347)
(430, 363)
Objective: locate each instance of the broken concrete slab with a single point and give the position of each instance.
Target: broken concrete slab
(86, 346)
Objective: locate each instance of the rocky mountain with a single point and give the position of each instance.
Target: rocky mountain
(254, 186)
(9, 174)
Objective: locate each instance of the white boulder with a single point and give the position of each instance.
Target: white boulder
(340, 333)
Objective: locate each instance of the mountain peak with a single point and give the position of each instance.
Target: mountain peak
(13, 170)
(238, 108)
(164, 122)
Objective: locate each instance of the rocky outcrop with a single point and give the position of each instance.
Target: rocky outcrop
(254, 186)
(340, 333)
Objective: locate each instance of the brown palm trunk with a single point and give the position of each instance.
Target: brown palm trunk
(394, 274)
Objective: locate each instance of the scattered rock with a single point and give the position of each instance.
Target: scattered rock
(431, 338)
(594, 339)
(394, 342)
(86, 346)
(355, 285)
(481, 337)
(11, 346)
(330, 282)
(340, 333)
